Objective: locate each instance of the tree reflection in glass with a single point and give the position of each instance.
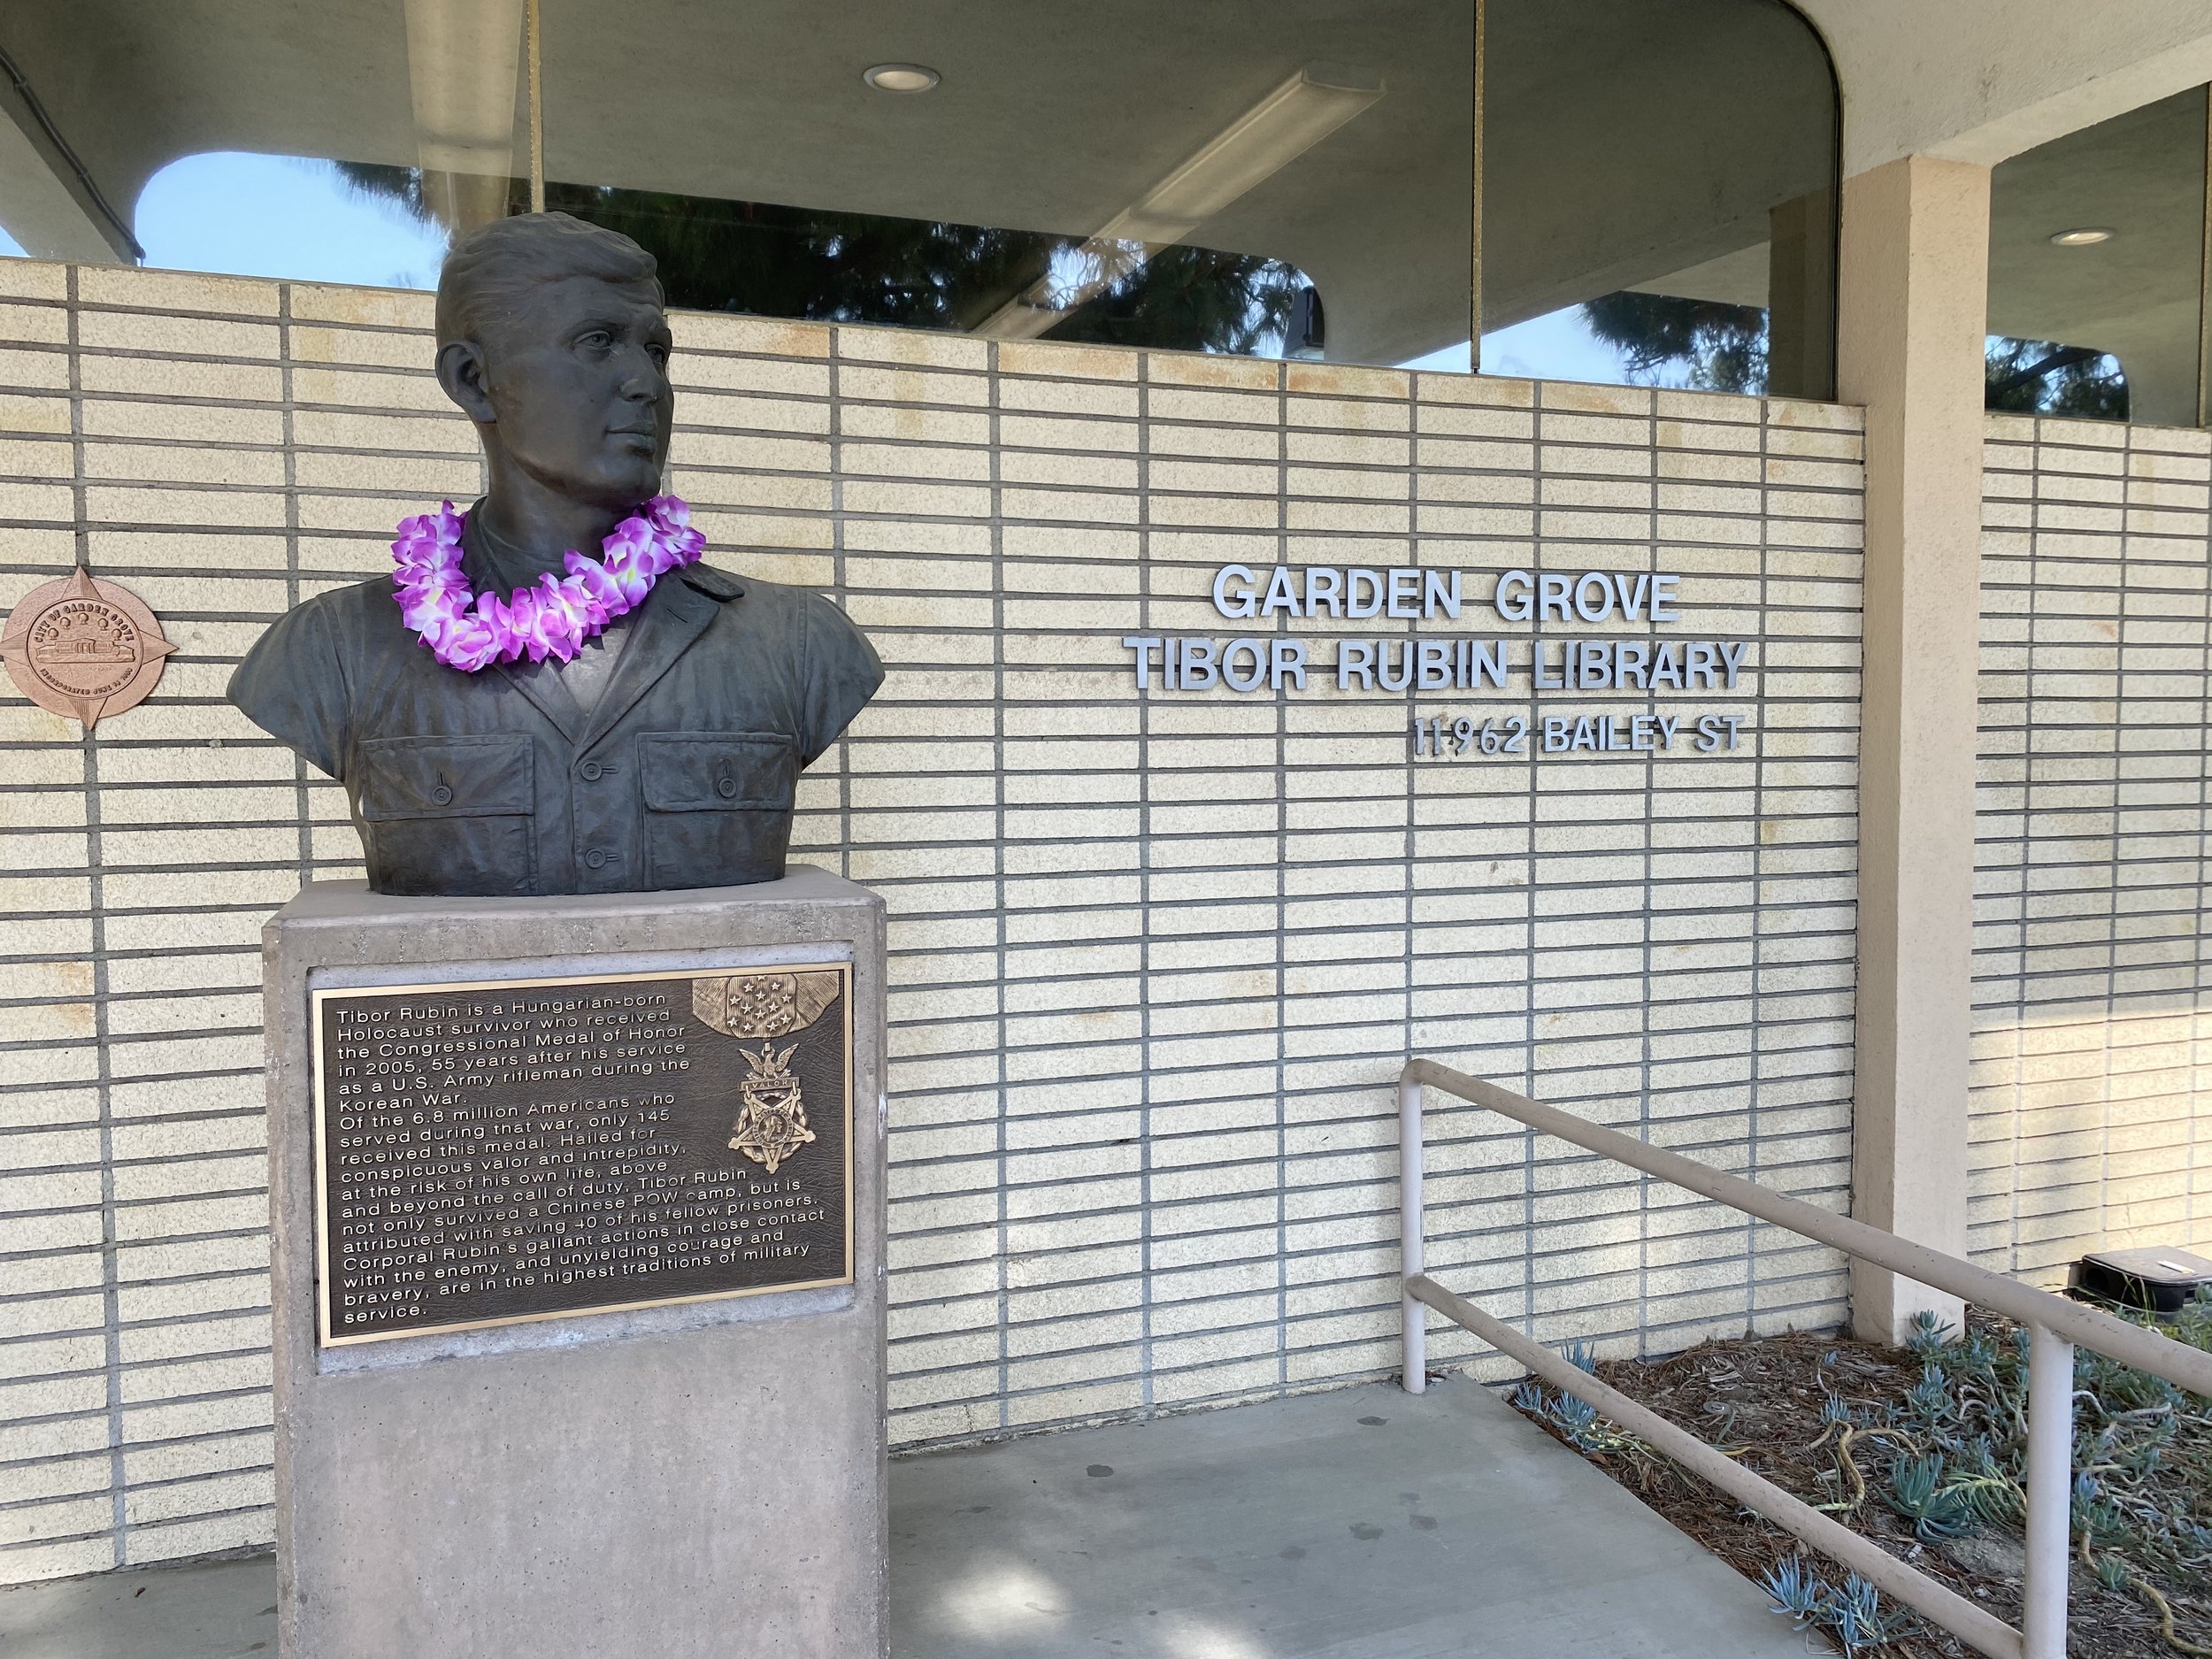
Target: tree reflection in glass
(768, 260)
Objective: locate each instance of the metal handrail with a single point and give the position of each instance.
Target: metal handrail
(2054, 1326)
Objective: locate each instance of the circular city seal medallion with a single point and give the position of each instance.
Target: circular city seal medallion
(84, 648)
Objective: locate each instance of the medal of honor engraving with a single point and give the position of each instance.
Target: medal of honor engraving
(84, 648)
(489, 1153)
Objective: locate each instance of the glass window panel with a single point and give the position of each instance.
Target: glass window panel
(1252, 176)
(1264, 177)
(206, 131)
(2095, 270)
(1659, 184)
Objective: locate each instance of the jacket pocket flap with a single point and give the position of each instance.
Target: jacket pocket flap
(446, 777)
(687, 772)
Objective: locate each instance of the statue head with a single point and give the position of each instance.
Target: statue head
(551, 338)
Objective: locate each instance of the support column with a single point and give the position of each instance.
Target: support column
(1912, 295)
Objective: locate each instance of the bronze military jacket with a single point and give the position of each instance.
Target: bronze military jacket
(681, 774)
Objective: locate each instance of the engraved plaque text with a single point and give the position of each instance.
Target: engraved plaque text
(493, 1152)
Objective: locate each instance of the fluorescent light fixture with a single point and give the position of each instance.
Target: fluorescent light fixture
(1276, 131)
(901, 77)
(463, 59)
(2083, 237)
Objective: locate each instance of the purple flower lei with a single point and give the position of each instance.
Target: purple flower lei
(549, 617)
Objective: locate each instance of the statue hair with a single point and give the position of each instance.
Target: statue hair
(490, 268)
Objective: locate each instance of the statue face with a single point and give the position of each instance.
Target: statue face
(577, 377)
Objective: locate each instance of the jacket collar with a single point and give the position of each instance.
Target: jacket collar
(674, 615)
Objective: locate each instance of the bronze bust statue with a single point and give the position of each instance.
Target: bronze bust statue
(608, 732)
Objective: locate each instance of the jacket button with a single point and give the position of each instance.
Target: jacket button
(726, 787)
(595, 859)
(441, 796)
(590, 770)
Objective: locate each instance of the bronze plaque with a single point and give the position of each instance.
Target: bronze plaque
(84, 648)
(522, 1149)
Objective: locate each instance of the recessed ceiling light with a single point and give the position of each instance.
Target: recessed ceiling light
(2084, 236)
(902, 78)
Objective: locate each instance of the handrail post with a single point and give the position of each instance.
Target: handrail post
(2050, 1492)
(1414, 1375)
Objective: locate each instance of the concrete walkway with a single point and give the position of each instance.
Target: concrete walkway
(1364, 1523)
(1359, 1524)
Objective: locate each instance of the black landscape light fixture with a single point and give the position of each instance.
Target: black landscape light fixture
(1306, 332)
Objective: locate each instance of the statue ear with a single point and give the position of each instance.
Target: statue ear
(464, 373)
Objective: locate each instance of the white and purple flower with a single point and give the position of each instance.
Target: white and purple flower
(551, 617)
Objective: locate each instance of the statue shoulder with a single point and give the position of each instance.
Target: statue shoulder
(332, 620)
(296, 682)
(776, 608)
(716, 584)
(833, 668)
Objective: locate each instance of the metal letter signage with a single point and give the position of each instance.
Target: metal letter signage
(1410, 661)
(524, 1149)
(84, 648)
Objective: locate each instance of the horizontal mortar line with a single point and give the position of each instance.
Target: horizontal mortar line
(1383, 1240)
(355, 573)
(1509, 846)
(1552, 462)
(1786, 1144)
(258, 1192)
(1559, 983)
(1359, 1108)
(208, 1319)
(1726, 1119)
(1309, 1190)
(1385, 1337)
(144, 1161)
(1630, 547)
(920, 1092)
(169, 1322)
(239, 1391)
(1551, 458)
(1725, 1230)
(1166, 918)
(1502, 955)
(899, 883)
(240, 1075)
(1269, 1291)
(1739, 912)
(1553, 979)
(1371, 1089)
(104, 1450)
(1835, 971)
(1661, 512)
(135, 1529)
(139, 1484)
(59, 1252)
(141, 1366)
(156, 1321)
(121, 1040)
(1629, 908)
(1822, 1274)
(1525, 542)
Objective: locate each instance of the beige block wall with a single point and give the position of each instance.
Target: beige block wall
(2092, 1052)
(1156, 960)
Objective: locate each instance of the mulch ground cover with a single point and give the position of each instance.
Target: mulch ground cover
(1923, 1450)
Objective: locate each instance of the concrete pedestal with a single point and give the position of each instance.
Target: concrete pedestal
(704, 1478)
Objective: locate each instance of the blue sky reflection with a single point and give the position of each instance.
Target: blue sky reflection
(282, 216)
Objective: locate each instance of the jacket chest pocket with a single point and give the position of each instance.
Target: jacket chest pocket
(449, 815)
(717, 806)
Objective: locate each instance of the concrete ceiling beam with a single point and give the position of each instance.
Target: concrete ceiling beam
(1980, 81)
(45, 204)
